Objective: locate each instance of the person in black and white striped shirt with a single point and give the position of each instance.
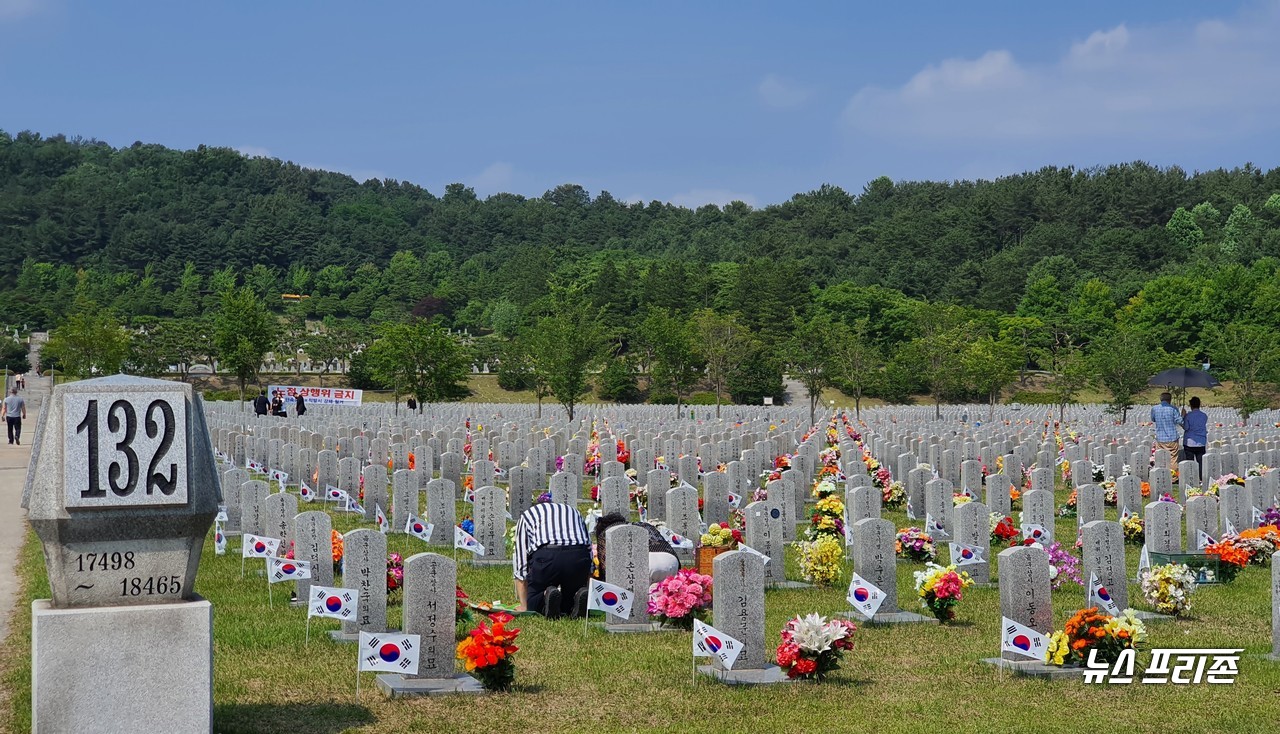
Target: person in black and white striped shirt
(552, 559)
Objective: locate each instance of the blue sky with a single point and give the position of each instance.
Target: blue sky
(692, 102)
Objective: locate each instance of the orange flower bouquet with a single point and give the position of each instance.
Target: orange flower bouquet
(487, 652)
(1092, 629)
(1231, 559)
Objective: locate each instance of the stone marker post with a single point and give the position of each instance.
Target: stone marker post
(122, 489)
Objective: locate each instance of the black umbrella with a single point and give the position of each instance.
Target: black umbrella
(1184, 377)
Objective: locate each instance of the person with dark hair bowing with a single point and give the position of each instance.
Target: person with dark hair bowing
(552, 559)
(662, 557)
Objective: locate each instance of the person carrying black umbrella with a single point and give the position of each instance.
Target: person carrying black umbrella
(1195, 432)
(1167, 420)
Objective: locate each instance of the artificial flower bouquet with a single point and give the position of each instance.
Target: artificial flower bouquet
(940, 589)
(395, 572)
(822, 559)
(1231, 559)
(488, 652)
(812, 646)
(827, 518)
(721, 535)
(680, 598)
(915, 544)
(1091, 629)
(1003, 531)
(1168, 588)
(893, 496)
(1135, 529)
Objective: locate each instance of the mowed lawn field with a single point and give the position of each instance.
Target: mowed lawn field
(910, 678)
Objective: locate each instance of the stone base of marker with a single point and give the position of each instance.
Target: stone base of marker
(340, 636)
(892, 618)
(635, 627)
(1146, 616)
(789, 585)
(1035, 669)
(394, 685)
(147, 648)
(485, 562)
(753, 677)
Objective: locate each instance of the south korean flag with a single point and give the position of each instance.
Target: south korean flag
(389, 653)
(333, 494)
(254, 466)
(1203, 540)
(222, 514)
(1125, 514)
(308, 494)
(419, 528)
(381, 519)
(1100, 597)
(934, 527)
(1228, 528)
(1020, 639)
(709, 642)
(609, 598)
(256, 546)
(676, 541)
(466, 541)
(219, 540)
(735, 500)
(287, 569)
(280, 477)
(1036, 532)
(864, 596)
(334, 602)
(353, 506)
(966, 555)
(1258, 518)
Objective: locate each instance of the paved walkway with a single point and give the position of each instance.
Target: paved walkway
(13, 519)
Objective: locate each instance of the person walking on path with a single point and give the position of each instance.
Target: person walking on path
(1195, 432)
(14, 410)
(300, 406)
(1167, 420)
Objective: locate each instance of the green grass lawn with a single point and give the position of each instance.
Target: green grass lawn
(911, 678)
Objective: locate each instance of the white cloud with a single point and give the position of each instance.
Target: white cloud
(495, 178)
(18, 9)
(254, 151)
(1174, 83)
(695, 198)
(776, 91)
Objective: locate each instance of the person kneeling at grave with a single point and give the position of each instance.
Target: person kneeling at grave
(663, 561)
(552, 560)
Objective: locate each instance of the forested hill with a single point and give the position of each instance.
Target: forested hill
(137, 216)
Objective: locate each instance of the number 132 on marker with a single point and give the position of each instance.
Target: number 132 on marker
(125, 449)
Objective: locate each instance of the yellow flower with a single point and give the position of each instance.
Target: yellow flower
(1059, 648)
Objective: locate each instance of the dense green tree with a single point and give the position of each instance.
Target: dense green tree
(562, 349)
(1121, 362)
(856, 361)
(420, 358)
(719, 341)
(676, 365)
(989, 365)
(91, 342)
(243, 332)
(1249, 355)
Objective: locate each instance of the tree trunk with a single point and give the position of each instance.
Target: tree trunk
(539, 407)
(937, 407)
(857, 406)
(991, 413)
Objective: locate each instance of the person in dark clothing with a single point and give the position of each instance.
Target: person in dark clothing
(663, 561)
(261, 404)
(552, 560)
(412, 403)
(300, 405)
(277, 404)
